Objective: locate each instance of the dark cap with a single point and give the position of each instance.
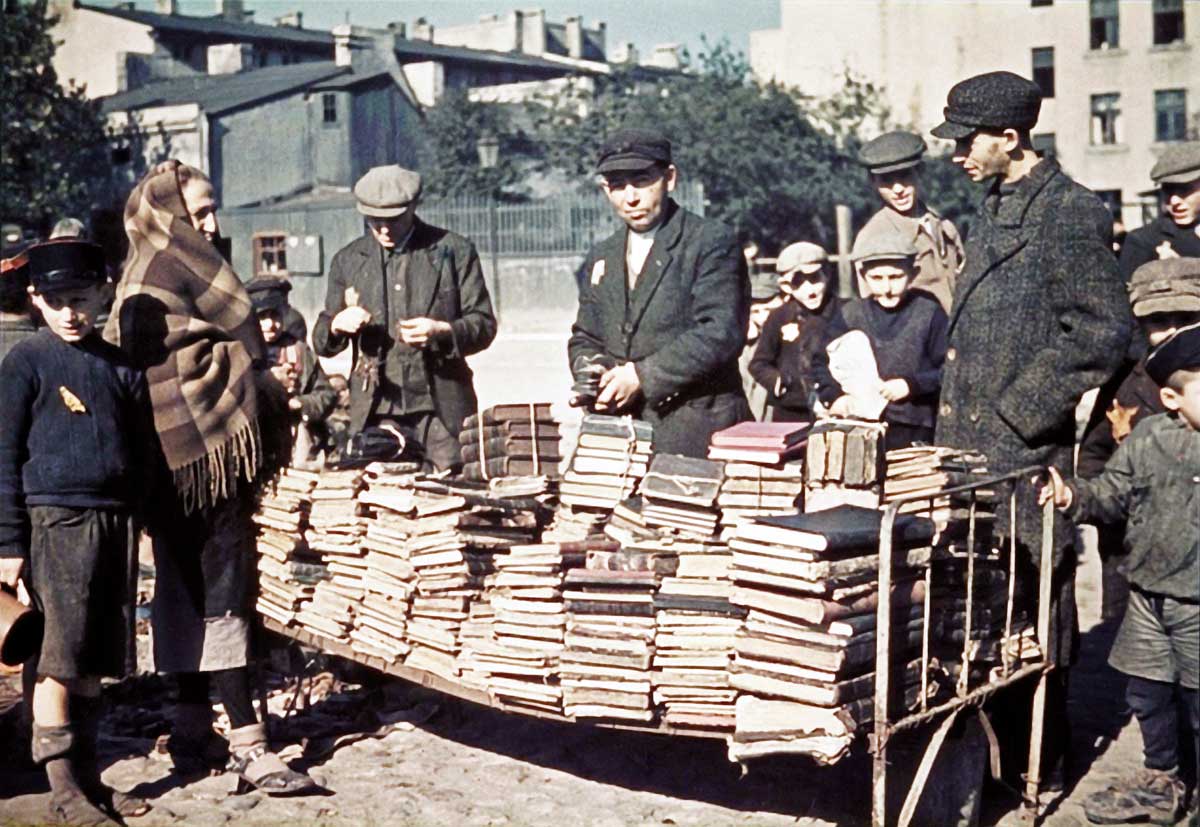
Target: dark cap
(268, 293)
(386, 192)
(892, 151)
(1167, 285)
(883, 241)
(995, 100)
(14, 271)
(633, 150)
(66, 264)
(1180, 352)
(1178, 164)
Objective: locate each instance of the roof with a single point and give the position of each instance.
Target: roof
(221, 93)
(219, 27)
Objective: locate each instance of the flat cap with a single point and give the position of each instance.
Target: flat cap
(1180, 352)
(1166, 285)
(66, 264)
(803, 256)
(268, 293)
(386, 192)
(763, 287)
(883, 241)
(994, 100)
(633, 150)
(892, 151)
(1179, 164)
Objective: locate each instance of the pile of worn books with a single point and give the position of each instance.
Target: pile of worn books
(511, 441)
(335, 532)
(611, 457)
(288, 571)
(751, 490)
(680, 494)
(844, 464)
(808, 583)
(694, 638)
(764, 443)
(926, 471)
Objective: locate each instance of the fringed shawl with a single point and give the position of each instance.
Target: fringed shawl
(182, 315)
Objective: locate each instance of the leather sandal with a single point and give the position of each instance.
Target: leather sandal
(260, 769)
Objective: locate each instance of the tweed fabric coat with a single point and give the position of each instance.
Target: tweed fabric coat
(683, 325)
(445, 280)
(1040, 316)
(184, 318)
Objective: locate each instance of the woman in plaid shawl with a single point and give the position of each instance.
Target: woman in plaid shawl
(183, 316)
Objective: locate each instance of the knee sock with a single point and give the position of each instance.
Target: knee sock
(1153, 704)
(233, 687)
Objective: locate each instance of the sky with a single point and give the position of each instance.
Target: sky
(644, 23)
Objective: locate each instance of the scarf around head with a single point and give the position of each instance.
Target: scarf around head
(184, 318)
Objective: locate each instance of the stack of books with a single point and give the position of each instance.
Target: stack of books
(680, 493)
(694, 638)
(288, 571)
(764, 443)
(627, 525)
(754, 490)
(575, 524)
(511, 441)
(808, 583)
(844, 464)
(609, 644)
(329, 613)
(474, 635)
(927, 471)
(612, 456)
(335, 532)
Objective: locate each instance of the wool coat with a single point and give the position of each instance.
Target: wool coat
(1040, 316)
(445, 280)
(683, 326)
(783, 363)
(1161, 238)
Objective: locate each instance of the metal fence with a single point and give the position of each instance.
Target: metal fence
(560, 225)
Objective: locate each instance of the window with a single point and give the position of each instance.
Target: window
(1043, 70)
(1106, 115)
(1105, 32)
(1168, 21)
(1170, 115)
(1045, 144)
(1036, 3)
(1112, 200)
(329, 108)
(270, 257)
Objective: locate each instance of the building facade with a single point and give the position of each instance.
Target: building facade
(1121, 77)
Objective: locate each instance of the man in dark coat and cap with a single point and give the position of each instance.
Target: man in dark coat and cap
(1175, 233)
(1039, 317)
(667, 298)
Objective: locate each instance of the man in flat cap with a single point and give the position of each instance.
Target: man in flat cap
(1177, 231)
(411, 298)
(667, 298)
(894, 162)
(1039, 317)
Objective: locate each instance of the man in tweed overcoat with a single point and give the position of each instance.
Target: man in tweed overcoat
(1039, 317)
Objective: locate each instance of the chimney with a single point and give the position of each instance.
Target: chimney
(231, 10)
(574, 37)
(398, 28)
(422, 29)
(166, 6)
(294, 19)
(666, 56)
(625, 53)
(342, 50)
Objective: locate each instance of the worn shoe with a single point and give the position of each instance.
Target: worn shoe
(55, 749)
(1147, 796)
(256, 767)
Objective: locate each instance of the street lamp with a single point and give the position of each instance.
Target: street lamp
(488, 147)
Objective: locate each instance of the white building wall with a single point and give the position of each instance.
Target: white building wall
(91, 46)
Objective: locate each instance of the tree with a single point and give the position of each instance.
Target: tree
(450, 161)
(54, 156)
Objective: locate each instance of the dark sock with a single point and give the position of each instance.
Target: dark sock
(233, 687)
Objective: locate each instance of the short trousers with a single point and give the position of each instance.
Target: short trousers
(82, 575)
(1159, 640)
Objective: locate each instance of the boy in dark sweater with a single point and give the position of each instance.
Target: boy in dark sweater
(75, 416)
(907, 332)
(1152, 483)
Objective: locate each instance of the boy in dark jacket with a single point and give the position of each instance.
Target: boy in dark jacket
(75, 417)
(907, 332)
(794, 332)
(311, 399)
(1151, 484)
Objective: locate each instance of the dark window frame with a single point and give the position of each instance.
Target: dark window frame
(1104, 24)
(270, 246)
(1110, 116)
(1169, 25)
(1170, 125)
(329, 109)
(1043, 75)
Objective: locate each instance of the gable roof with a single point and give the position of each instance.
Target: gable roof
(219, 27)
(221, 93)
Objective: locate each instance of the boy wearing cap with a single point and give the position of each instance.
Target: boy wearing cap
(1175, 233)
(765, 297)
(894, 162)
(67, 396)
(412, 300)
(795, 331)
(310, 396)
(907, 332)
(1152, 483)
(667, 298)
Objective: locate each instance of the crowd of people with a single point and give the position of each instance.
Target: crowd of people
(187, 389)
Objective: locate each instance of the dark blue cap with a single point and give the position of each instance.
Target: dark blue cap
(66, 264)
(1180, 352)
(268, 293)
(994, 100)
(633, 150)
